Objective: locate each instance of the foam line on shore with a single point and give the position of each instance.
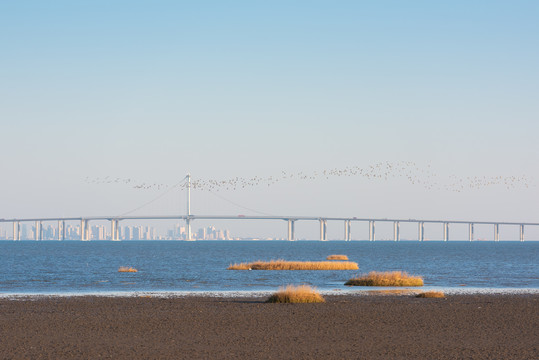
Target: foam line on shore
(367, 291)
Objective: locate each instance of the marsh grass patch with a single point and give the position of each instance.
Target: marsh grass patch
(296, 294)
(389, 278)
(295, 265)
(337, 257)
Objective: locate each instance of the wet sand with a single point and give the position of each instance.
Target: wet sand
(345, 327)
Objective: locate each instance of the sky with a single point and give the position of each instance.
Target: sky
(149, 91)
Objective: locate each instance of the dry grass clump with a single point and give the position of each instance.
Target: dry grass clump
(295, 265)
(127, 269)
(337, 257)
(296, 294)
(431, 294)
(390, 278)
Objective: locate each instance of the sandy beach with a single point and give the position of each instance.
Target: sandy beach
(345, 327)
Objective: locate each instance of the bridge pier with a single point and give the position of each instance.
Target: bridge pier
(38, 235)
(347, 225)
(496, 232)
(188, 234)
(323, 230)
(521, 232)
(291, 225)
(446, 231)
(470, 231)
(396, 231)
(372, 228)
(421, 230)
(16, 231)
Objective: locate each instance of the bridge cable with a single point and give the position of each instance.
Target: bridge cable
(238, 205)
(155, 199)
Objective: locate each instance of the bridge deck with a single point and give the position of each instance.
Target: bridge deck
(248, 217)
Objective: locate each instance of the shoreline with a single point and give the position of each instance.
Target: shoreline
(352, 291)
(345, 327)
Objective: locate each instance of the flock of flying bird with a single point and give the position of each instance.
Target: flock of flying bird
(416, 175)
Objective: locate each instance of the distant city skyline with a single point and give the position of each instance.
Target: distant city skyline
(102, 232)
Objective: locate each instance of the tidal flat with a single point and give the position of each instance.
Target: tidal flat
(475, 326)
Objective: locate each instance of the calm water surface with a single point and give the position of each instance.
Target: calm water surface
(53, 267)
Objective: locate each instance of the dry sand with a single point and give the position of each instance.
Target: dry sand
(345, 327)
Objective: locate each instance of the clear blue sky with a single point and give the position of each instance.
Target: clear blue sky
(152, 90)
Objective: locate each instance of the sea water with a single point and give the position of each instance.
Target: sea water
(75, 267)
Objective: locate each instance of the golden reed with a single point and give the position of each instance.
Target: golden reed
(337, 257)
(296, 294)
(390, 278)
(295, 265)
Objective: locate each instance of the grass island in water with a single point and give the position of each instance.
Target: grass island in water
(337, 257)
(390, 278)
(295, 265)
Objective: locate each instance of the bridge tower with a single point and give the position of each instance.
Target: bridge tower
(188, 218)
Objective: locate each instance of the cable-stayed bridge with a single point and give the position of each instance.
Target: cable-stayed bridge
(290, 220)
